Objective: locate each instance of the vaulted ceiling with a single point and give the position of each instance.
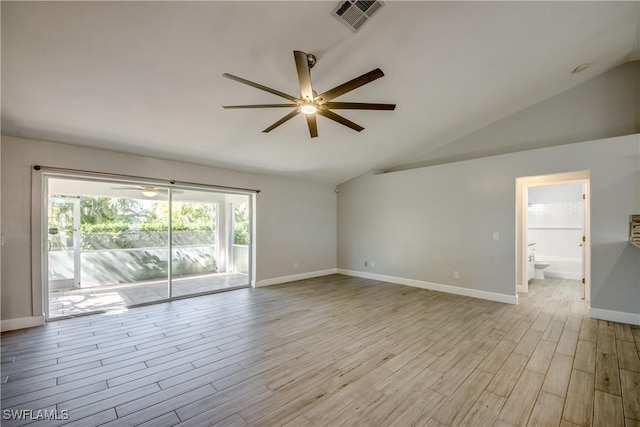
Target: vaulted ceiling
(146, 77)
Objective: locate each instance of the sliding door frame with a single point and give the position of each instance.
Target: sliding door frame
(39, 226)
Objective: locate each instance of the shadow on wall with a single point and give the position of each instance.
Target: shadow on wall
(626, 266)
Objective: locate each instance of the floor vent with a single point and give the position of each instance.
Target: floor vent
(354, 13)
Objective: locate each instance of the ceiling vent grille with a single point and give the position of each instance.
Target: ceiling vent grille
(354, 13)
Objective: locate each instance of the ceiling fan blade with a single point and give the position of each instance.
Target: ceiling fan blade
(259, 106)
(282, 120)
(148, 188)
(359, 106)
(338, 118)
(313, 125)
(259, 86)
(304, 75)
(350, 85)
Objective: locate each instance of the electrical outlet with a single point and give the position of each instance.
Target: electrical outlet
(456, 275)
(295, 265)
(366, 263)
(496, 235)
(373, 264)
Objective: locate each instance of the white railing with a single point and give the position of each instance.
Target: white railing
(111, 266)
(241, 259)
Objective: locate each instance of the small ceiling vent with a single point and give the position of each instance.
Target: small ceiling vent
(354, 13)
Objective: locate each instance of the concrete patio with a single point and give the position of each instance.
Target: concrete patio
(71, 302)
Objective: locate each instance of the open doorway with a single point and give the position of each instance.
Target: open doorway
(553, 231)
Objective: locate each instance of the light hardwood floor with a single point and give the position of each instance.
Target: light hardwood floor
(331, 351)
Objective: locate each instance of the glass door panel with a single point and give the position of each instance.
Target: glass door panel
(205, 256)
(240, 236)
(63, 242)
(195, 243)
(121, 249)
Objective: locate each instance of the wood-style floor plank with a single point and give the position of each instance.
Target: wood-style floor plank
(485, 411)
(607, 410)
(547, 410)
(328, 351)
(521, 401)
(506, 378)
(585, 359)
(631, 394)
(557, 379)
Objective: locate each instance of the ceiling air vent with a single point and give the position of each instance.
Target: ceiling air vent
(354, 13)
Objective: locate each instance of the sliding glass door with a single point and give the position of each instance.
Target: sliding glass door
(63, 243)
(239, 236)
(113, 244)
(194, 254)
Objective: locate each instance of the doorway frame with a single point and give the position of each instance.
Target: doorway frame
(39, 202)
(522, 186)
(75, 238)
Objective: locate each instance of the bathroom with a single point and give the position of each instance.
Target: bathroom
(555, 230)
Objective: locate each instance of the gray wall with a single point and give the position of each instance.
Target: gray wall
(296, 220)
(605, 106)
(425, 223)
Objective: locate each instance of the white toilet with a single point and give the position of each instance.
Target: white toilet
(539, 269)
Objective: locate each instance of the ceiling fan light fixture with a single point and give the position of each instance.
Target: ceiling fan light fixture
(308, 108)
(149, 192)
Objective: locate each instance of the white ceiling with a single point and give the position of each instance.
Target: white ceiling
(146, 77)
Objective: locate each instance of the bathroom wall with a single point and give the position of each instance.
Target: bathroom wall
(555, 218)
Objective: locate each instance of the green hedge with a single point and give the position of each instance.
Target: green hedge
(121, 226)
(143, 239)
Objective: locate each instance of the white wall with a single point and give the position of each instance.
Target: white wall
(555, 218)
(296, 220)
(564, 193)
(424, 224)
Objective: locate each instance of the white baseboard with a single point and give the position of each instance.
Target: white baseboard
(615, 316)
(520, 288)
(491, 296)
(567, 275)
(21, 323)
(294, 277)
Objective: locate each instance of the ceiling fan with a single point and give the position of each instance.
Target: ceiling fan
(310, 103)
(146, 190)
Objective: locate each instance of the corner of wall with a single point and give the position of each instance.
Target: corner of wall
(638, 104)
(294, 277)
